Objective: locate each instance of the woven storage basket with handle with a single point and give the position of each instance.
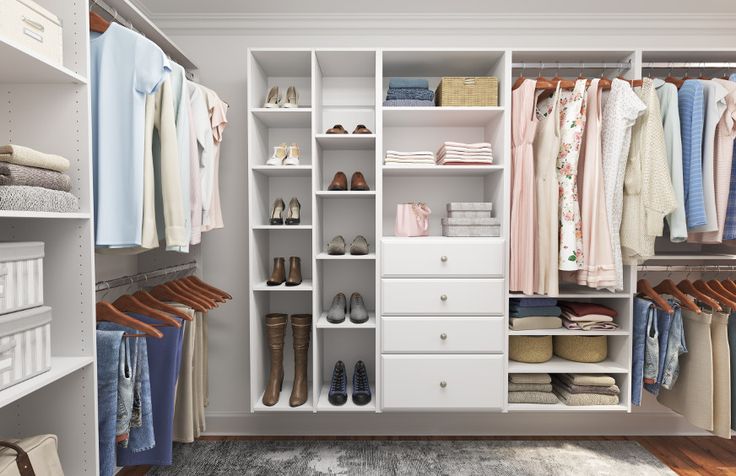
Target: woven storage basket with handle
(467, 91)
(589, 349)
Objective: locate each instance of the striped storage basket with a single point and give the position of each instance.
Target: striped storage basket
(21, 276)
(25, 345)
(467, 91)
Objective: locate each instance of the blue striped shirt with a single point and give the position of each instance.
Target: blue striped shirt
(690, 102)
(729, 229)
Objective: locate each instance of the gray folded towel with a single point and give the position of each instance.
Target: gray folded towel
(583, 399)
(530, 378)
(408, 83)
(418, 94)
(12, 174)
(407, 103)
(533, 397)
(530, 387)
(37, 199)
(19, 155)
(575, 389)
(598, 380)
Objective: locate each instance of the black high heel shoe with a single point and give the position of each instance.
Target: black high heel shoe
(277, 212)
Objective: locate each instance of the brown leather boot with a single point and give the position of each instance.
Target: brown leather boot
(295, 271)
(278, 275)
(339, 182)
(357, 182)
(275, 330)
(301, 328)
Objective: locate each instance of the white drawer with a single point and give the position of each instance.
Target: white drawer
(443, 334)
(447, 382)
(443, 296)
(458, 257)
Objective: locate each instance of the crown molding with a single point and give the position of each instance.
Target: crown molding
(484, 24)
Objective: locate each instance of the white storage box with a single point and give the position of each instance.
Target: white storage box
(471, 227)
(32, 28)
(25, 345)
(21, 276)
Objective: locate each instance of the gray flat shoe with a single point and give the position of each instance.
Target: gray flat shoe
(358, 312)
(336, 246)
(337, 311)
(359, 246)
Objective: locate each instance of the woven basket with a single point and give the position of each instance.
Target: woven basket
(530, 349)
(589, 349)
(467, 91)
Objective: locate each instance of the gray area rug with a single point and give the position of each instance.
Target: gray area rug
(482, 457)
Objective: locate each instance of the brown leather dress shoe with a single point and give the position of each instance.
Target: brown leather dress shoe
(278, 275)
(357, 182)
(339, 182)
(361, 129)
(337, 129)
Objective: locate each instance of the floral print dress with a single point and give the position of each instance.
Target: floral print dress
(572, 124)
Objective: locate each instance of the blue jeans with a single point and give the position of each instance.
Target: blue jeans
(675, 348)
(644, 311)
(669, 345)
(108, 361)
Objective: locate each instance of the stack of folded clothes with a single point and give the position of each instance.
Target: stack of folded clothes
(588, 316)
(459, 153)
(419, 157)
(34, 181)
(409, 92)
(582, 389)
(534, 313)
(531, 388)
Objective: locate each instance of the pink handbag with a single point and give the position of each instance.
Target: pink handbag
(412, 219)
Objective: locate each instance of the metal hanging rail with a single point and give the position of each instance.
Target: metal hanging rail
(137, 278)
(705, 268)
(688, 65)
(567, 65)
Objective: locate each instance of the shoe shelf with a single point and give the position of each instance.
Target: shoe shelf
(346, 141)
(306, 285)
(283, 404)
(284, 117)
(346, 257)
(324, 405)
(282, 227)
(345, 194)
(283, 170)
(323, 323)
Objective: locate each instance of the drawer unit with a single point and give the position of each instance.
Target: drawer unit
(443, 334)
(443, 296)
(442, 257)
(33, 28)
(445, 382)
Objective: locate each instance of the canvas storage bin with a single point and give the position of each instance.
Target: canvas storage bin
(25, 345)
(467, 91)
(588, 349)
(21, 276)
(36, 453)
(469, 209)
(530, 349)
(471, 227)
(32, 28)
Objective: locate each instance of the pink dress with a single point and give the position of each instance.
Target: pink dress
(521, 236)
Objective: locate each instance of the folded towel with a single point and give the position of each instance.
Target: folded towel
(463, 145)
(407, 103)
(534, 302)
(37, 199)
(463, 159)
(390, 161)
(575, 389)
(533, 397)
(583, 399)
(588, 325)
(12, 174)
(516, 311)
(530, 378)
(534, 322)
(19, 155)
(464, 151)
(597, 380)
(408, 83)
(585, 308)
(587, 317)
(417, 94)
(530, 387)
(413, 153)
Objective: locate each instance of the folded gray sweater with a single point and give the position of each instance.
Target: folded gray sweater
(583, 399)
(576, 389)
(12, 174)
(37, 199)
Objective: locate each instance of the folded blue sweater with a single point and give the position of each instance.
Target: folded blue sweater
(405, 93)
(408, 83)
(516, 311)
(534, 302)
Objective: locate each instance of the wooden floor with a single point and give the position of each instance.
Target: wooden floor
(687, 456)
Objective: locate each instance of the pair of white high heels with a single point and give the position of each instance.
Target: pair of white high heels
(284, 155)
(274, 99)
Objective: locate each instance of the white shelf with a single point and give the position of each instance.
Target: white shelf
(283, 170)
(283, 227)
(68, 216)
(582, 294)
(567, 332)
(60, 368)
(306, 285)
(441, 116)
(324, 404)
(283, 403)
(22, 66)
(562, 408)
(284, 117)
(441, 170)
(557, 365)
(323, 323)
(346, 257)
(346, 194)
(346, 141)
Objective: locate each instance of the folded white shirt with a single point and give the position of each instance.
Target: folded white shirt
(410, 153)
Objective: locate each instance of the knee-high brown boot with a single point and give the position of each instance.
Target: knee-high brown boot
(275, 330)
(301, 328)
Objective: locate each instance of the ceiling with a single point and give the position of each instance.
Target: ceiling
(292, 7)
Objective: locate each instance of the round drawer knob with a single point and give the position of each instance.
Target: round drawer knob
(443, 336)
(443, 297)
(443, 384)
(443, 259)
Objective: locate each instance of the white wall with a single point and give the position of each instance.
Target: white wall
(219, 49)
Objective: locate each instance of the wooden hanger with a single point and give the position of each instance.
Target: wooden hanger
(201, 294)
(149, 300)
(713, 293)
(104, 311)
(687, 287)
(721, 289)
(645, 288)
(634, 83)
(97, 23)
(195, 280)
(181, 289)
(128, 303)
(205, 292)
(669, 287)
(729, 284)
(164, 293)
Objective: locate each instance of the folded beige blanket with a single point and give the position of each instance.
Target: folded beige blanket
(12, 174)
(530, 378)
(583, 399)
(530, 387)
(533, 397)
(534, 322)
(19, 155)
(574, 389)
(598, 380)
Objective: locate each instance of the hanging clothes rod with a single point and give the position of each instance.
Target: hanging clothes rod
(137, 278)
(566, 65)
(113, 14)
(688, 65)
(709, 268)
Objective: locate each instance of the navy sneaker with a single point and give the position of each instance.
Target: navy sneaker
(361, 385)
(338, 394)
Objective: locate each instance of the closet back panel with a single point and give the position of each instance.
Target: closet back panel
(348, 277)
(348, 217)
(271, 244)
(348, 345)
(74, 31)
(347, 161)
(282, 69)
